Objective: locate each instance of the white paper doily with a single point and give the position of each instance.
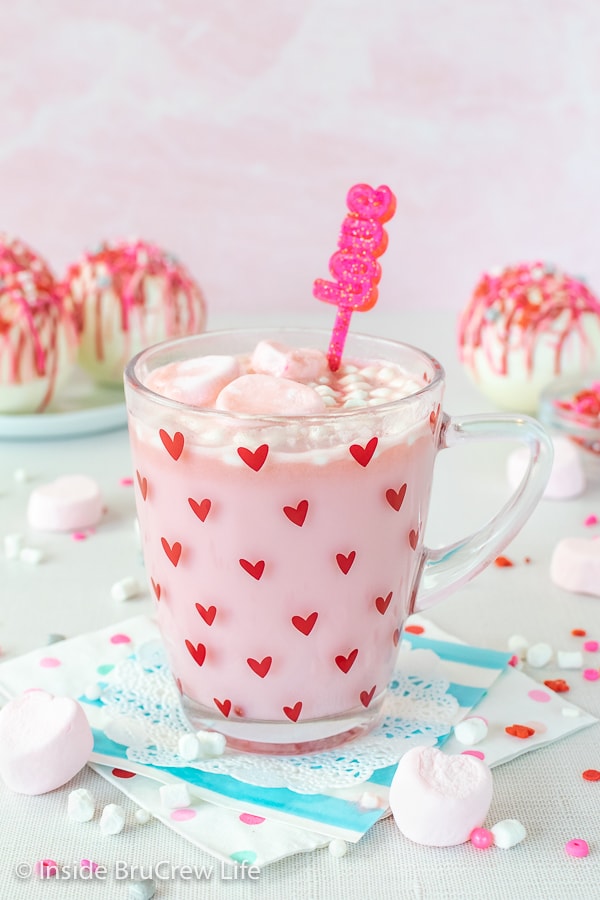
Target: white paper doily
(145, 715)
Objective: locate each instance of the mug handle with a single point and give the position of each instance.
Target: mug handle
(446, 568)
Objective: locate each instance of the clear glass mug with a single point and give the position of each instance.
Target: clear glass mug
(285, 552)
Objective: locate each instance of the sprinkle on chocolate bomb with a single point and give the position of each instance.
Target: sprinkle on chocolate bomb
(38, 338)
(525, 325)
(129, 295)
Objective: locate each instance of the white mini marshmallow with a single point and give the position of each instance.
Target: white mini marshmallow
(112, 820)
(93, 692)
(471, 731)
(32, 556)
(142, 890)
(188, 746)
(13, 544)
(125, 589)
(80, 805)
(575, 565)
(518, 645)
(539, 655)
(570, 712)
(567, 478)
(369, 800)
(174, 796)
(569, 659)
(142, 816)
(338, 848)
(508, 833)
(211, 743)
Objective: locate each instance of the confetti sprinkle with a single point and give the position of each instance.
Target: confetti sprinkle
(591, 775)
(591, 674)
(520, 731)
(503, 562)
(577, 847)
(591, 520)
(559, 685)
(579, 632)
(481, 838)
(591, 646)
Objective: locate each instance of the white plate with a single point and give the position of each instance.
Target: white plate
(82, 408)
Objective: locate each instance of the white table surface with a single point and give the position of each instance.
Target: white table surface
(69, 593)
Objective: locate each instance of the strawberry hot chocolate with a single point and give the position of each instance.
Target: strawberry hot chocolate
(282, 509)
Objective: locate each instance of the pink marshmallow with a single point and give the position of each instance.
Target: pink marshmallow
(302, 364)
(196, 382)
(267, 395)
(44, 742)
(575, 565)
(72, 502)
(438, 799)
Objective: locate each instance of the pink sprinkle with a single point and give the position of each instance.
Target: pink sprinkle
(120, 639)
(514, 660)
(591, 520)
(476, 753)
(591, 674)
(49, 662)
(249, 819)
(539, 696)
(88, 864)
(79, 536)
(481, 838)
(46, 868)
(577, 847)
(126, 482)
(182, 815)
(591, 646)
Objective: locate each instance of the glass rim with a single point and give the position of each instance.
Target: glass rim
(133, 381)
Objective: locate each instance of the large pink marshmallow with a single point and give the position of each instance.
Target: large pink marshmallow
(44, 742)
(70, 502)
(196, 382)
(575, 565)
(300, 364)
(438, 799)
(567, 478)
(267, 395)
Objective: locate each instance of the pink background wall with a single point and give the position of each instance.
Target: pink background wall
(229, 133)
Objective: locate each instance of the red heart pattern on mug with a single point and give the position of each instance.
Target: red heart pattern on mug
(305, 626)
(255, 569)
(345, 663)
(208, 614)
(197, 652)
(201, 509)
(223, 706)
(345, 562)
(413, 538)
(367, 696)
(260, 667)
(173, 551)
(173, 445)
(297, 514)
(364, 455)
(156, 588)
(293, 712)
(254, 459)
(396, 498)
(382, 603)
(143, 484)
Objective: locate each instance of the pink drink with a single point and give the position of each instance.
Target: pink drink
(284, 551)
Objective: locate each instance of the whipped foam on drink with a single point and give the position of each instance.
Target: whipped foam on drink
(280, 380)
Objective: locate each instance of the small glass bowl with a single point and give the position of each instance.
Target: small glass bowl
(570, 407)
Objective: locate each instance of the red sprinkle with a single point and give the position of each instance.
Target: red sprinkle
(579, 632)
(414, 629)
(527, 560)
(520, 731)
(557, 684)
(503, 561)
(591, 775)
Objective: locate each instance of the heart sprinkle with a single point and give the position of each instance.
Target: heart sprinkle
(520, 731)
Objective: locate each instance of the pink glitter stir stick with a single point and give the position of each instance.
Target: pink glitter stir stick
(354, 265)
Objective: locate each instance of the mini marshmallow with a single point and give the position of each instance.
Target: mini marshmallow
(44, 742)
(174, 796)
(508, 833)
(338, 848)
(142, 816)
(142, 890)
(70, 503)
(125, 589)
(438, 799)
(369, 800)
(570, 712)
(470, 731)
(32, 556)
(567, 478)
(13, 544)
(302, 364)
(518, 645)
(196, 381)
(539, 655)
(112, 820)
(80, 805)
(93, 692)
(569, 659)
(188, 746)
(267, 395)
(575, 565)
(211, 743)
